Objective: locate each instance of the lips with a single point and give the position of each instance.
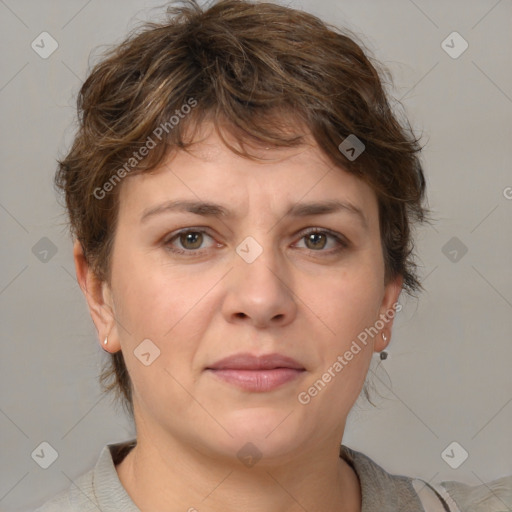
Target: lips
(250, 362)
(257, 373)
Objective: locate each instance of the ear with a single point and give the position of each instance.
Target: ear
(387, 312)
(99, 299)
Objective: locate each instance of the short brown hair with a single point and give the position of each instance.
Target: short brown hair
(249, 67)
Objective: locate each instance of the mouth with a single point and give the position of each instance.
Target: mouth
(257, 373)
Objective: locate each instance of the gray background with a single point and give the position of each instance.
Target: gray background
(448, 375)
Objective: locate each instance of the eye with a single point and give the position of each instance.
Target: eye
(317, 239)
(189, 239)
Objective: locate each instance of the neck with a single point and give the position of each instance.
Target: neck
(173, 477)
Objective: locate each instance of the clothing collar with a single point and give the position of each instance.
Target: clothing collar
(379, 489)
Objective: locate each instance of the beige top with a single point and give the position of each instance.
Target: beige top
(101, 490)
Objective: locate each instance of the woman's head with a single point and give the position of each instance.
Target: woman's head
(244, 106)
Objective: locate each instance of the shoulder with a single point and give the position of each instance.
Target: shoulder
(74, 499)
(97, 489)
(494, 496)
(381, 490)
(384, 491)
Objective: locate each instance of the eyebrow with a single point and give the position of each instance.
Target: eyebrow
(207, 209)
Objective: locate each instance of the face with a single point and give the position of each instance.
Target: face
(274, 276)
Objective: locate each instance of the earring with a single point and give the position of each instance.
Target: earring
(106, 340)
(384, 354)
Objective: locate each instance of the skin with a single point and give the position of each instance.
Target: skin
(298, 298)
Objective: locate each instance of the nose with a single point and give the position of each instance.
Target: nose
(259, 292)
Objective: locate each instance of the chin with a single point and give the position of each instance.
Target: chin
(266, 431)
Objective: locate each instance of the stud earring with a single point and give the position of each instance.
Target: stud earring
(106, 340)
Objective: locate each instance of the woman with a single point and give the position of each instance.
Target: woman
(241, 197)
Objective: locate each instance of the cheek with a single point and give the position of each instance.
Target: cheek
(349, 302)
(159, 302)
(157, 305)
(151, 298)
(347, 305)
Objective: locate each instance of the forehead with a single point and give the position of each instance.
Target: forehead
(209, 171)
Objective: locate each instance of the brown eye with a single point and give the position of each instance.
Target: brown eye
(323, 241)
(316, 240)
(191, 240)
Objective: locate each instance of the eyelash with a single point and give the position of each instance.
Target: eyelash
(343, 244)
